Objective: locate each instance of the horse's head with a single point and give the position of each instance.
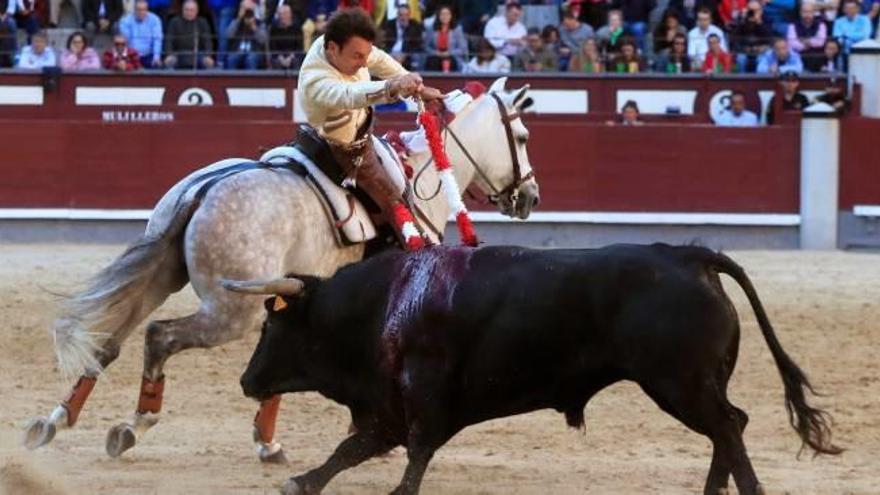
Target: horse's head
(494, 136)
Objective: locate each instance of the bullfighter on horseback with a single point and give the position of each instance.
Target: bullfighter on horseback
(337, 93)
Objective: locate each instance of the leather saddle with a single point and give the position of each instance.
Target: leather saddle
(351, 212)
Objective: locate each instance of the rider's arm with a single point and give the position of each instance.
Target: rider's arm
(383, 66)
(329, 92)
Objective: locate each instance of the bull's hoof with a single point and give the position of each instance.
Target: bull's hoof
(119, 439)
(292, 487)
(38, 432)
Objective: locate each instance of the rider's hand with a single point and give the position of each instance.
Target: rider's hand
(404, 85)
(428, 93)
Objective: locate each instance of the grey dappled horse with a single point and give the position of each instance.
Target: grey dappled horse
(257, 224)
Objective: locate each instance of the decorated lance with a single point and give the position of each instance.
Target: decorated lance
(431, 124)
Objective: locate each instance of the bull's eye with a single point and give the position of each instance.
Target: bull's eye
(522, 140)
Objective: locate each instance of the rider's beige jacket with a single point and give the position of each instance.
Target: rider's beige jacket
(336, 104)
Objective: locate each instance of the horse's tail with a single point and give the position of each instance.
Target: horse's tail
(812, 425)
(102, 315)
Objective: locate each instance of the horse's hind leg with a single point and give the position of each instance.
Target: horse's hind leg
(204, 329)
(42, 429)
(171, 277)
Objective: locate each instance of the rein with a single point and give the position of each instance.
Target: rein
(518, 177)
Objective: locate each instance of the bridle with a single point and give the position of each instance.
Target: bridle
(512, 189)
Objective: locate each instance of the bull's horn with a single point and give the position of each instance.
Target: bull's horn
(287, 286)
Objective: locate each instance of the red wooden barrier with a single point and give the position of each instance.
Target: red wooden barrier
(66, 153)
(859, 162)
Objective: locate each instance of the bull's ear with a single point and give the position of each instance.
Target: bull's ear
(275, 304)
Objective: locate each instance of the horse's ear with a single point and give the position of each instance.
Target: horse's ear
(520, 96)
(498, 85)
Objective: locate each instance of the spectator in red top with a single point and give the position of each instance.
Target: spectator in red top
(120, 57)
(445, 43)
(717, 60)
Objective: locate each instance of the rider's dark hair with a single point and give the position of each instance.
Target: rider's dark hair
(348, 23)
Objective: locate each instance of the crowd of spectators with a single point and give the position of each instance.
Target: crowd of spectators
(585, 36)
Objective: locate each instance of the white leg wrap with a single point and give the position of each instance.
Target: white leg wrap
(59, 416)
(140, 423)
(265, 450)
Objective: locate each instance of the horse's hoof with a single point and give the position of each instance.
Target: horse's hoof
(271, 453)
(291, 487)
(38, 432)
(119, 439)
(275, 458)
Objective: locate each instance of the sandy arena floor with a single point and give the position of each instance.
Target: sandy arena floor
(825, 308)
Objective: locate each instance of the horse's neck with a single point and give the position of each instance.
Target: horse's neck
(435, 206)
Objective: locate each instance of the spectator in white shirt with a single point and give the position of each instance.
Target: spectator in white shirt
(38, 54)
(487, 60)
(698, 37)
(737, 115)
(506, 32)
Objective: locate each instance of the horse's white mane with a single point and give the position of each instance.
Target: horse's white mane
(456, 102)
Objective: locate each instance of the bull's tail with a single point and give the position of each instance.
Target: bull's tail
(811, 424)
(105, 312)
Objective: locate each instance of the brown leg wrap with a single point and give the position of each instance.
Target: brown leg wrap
(77, 398)
(264, 422)
(151, 395)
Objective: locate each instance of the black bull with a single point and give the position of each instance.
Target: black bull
(419, 346)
